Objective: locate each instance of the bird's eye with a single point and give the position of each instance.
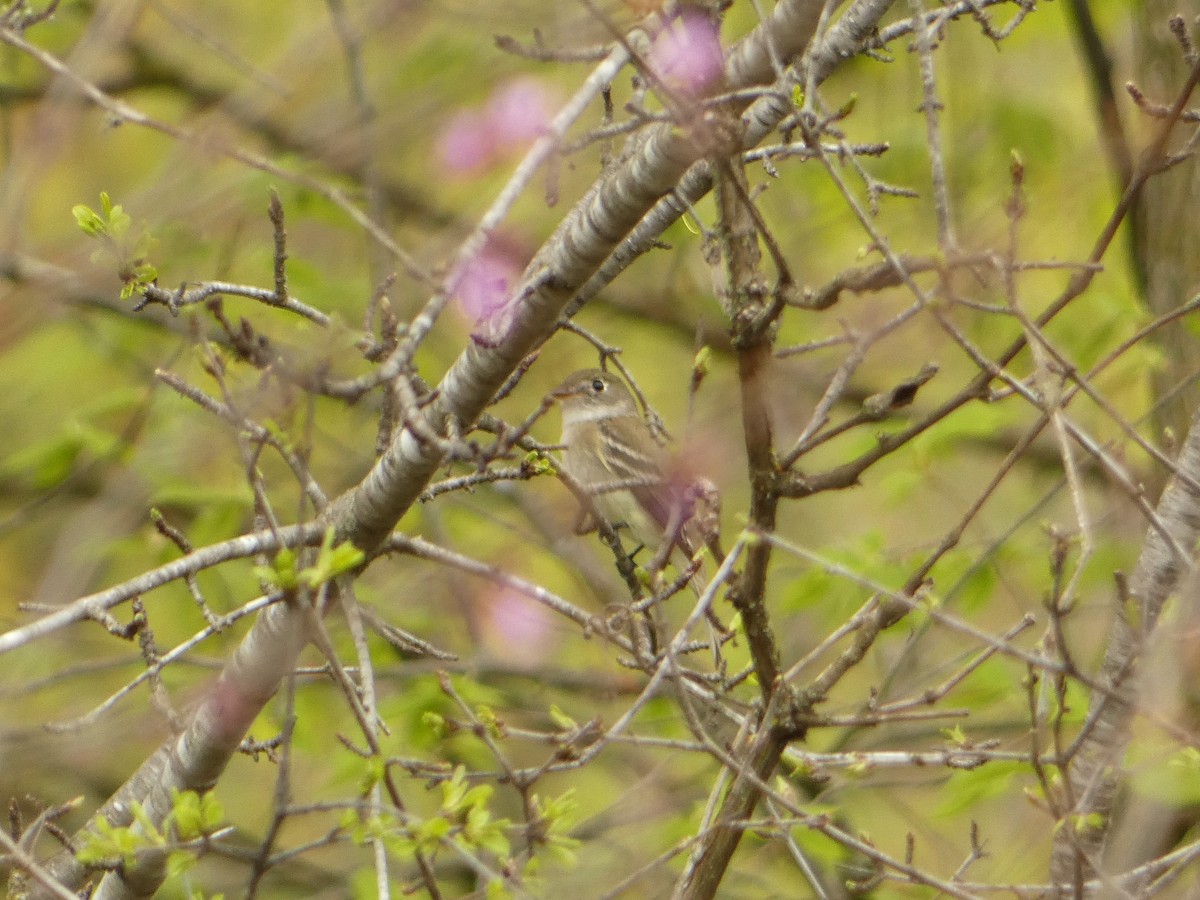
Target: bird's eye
(598, 385)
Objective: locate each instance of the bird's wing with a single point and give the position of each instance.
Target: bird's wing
(628, 452)
(637, 463)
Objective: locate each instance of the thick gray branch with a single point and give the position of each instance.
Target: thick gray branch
(1096, 772)
(196, 758)
(587, 236)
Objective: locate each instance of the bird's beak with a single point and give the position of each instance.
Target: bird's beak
(564, 392)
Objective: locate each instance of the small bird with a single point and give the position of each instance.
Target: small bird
(611, 452)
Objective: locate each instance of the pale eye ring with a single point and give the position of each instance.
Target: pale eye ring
(598, 385)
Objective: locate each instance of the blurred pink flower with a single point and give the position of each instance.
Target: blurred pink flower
(518, 113)
(687, 56)
(523, 629)
(465, 144)
(485, 281)
(515, 116)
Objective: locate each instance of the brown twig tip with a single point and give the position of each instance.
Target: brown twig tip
(1179, 31)
(900, 395)
(1016, 168)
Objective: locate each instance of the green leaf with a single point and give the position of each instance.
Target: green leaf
(495, 841)
(477, 796)
(212, 813)
(87, 220)
(487, 716)
(282, 572)
(179, 863)
(564, 849)
(955, 736)
(125, 246)
(435, 722)
(151, 832)
(108, 843)
(430, 834)
(189, 821)
(538, 463)
(558, 813)
(859, 767)
(119, 222)
(562, 720)
(454, 789)
(332, 561)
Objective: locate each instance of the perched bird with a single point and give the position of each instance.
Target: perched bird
(612, 454)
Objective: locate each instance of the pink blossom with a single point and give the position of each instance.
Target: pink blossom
(515, 116)
(485, 281)
(518, 113)
(523, 629)
(687, 56)
(466, 144)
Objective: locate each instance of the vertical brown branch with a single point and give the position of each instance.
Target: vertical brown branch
(753, 311)
(749, 306)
